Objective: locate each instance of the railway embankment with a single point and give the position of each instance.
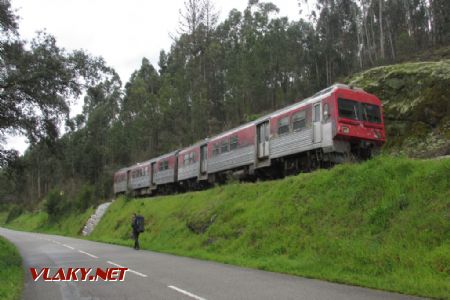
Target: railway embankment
(383, 224)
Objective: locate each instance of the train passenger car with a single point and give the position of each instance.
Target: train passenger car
(232, 151)
(192, 165)
(120, 181)
(165, 171)
(139, 178)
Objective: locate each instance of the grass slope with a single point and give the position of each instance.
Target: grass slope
(381, 224)
(69, 224)
(11, 272)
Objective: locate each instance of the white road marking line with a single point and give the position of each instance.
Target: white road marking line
(88, 254)
(185, 292)
(137, 273)
(114, 264)
(129, 270)
(67, 246)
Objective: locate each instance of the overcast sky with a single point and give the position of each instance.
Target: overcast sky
(122, 32)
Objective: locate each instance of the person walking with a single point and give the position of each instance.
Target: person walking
(136, 230)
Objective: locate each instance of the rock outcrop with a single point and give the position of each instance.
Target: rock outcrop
(416, 103)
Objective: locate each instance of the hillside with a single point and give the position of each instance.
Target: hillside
(381, 224)
(416, 103)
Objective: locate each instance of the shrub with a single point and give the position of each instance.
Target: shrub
(14, 213)
(56, 204)
(85, 197)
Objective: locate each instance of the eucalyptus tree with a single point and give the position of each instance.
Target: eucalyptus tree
(37, 81)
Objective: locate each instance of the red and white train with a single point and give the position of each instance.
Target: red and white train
(333, 125)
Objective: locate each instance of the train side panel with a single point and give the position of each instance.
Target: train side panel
(140, 176)
(189, 163)
(292, 140)
(166, 169)
(232, 150)
(120, 182)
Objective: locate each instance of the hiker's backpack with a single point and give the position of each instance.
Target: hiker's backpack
(139, 221)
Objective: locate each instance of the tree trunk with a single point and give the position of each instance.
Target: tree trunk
(39, 182)
(381, 30)
(390, 39)
(374, 44)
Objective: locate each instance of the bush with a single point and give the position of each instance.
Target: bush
(85, 197)
(14, 213)
(56, 204)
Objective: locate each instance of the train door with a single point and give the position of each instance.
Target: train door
(152, 173)
(262, 139)
(128, 180)
(175, 168)
(203, 158)
(317, 125)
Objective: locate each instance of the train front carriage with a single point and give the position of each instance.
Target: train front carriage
(330, 127)
(359, 122)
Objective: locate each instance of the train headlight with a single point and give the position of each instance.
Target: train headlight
(377, 134)
(345, 129)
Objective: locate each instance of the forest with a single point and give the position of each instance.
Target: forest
(216, 75)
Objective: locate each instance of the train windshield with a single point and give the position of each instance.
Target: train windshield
(354, 110)
(371, 113)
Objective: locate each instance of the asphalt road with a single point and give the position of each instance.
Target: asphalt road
(162, 276)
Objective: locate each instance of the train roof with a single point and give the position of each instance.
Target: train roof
(197, 144)
(166, 155)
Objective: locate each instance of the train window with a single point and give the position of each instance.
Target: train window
(348, 109)
(216, 149)
(186, 159)
(299, 121)
(317, 113)
(371, 113)
(283, 125)
(191, 158)
(326, 112)
(234, 142)
(164, 165)
(224, 146)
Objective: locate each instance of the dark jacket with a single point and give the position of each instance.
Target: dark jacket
(134, 226)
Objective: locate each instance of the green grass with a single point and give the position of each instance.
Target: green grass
(382, 224)
(68, 224)
(11, 272)
(3, 215)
